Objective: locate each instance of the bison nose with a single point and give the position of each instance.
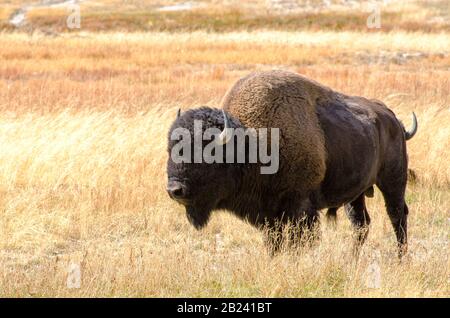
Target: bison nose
(176, 190)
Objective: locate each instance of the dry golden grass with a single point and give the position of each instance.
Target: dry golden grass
(225, 16)
(83, 124)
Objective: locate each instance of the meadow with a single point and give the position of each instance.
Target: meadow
(84, 118)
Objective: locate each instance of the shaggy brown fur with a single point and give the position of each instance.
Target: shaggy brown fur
(287, 101)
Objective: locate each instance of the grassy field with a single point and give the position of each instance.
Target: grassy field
(83, 125)
(232, 15)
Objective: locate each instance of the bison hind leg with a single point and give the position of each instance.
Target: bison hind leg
(392, 187)
(359, 217)
(398, 214)
(332, 216)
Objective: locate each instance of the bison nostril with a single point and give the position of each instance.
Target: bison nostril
(175, 190)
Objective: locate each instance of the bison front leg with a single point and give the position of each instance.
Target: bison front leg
(297, 228)
(303, 229)
(309, 227)
(274, 236)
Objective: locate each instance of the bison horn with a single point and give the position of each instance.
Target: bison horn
(227, 132)
(178, 113)
(410, 133)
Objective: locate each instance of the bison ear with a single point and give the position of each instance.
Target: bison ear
(178, 113)
(227, 132)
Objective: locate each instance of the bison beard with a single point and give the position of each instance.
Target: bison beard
(333, 149)
(198, 217)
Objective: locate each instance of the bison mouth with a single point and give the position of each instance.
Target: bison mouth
(197, 217)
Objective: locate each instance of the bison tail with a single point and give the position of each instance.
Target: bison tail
(410, 133)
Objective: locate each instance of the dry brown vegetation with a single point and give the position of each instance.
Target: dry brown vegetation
(232, 15)
(83, 125)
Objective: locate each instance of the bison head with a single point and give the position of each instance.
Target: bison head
(199, 185)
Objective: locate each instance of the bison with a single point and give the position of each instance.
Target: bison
(332, 149)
